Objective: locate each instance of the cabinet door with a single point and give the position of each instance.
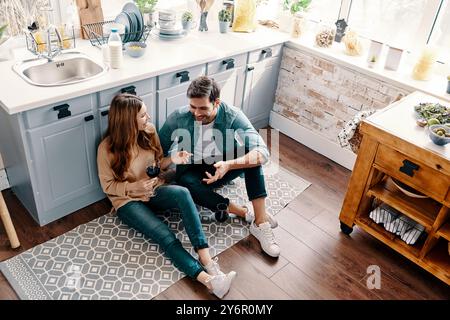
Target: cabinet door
(170, 100)
(151, 109)
(232, 85)
(259, 95)
(64, 159)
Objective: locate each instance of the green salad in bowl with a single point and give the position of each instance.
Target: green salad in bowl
(432, 113)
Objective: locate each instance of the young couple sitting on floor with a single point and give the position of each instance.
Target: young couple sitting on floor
(224, 145)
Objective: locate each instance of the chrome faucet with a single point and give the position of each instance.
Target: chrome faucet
(52, 52)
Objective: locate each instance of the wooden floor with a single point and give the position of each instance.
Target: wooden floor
(317, 261)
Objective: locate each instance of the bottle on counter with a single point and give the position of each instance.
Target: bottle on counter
(115, 49)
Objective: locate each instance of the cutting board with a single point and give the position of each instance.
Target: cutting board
(90, 11)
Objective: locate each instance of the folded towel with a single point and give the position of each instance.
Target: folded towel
(411, 236)
(383, 214)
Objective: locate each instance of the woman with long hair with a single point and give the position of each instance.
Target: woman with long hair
(130, 145)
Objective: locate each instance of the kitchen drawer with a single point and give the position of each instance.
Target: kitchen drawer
(59, 111)
(412, 172)
(175, 78)
(226, 64)
(264, 53)
(139, 88)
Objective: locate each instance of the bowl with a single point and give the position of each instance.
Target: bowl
(409, 191)
(135, 49)
(167, 15)
(440, 140)
(167, 24)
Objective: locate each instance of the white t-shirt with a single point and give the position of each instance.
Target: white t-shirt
(206, 148)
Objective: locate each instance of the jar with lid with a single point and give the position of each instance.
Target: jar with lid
(325, 35)
(298, 25)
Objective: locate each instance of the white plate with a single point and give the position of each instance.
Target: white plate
(170, 32)
(156, 33)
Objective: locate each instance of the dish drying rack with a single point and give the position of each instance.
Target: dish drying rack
(97, 39)
(37, 41)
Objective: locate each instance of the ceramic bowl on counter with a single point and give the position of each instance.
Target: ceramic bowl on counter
(135, 49)
(439, 134)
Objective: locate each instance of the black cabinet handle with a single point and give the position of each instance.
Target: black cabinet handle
(130, 90)
(409, 167)
(89, 118)
(63, 111)
(104, 113)
(183, 75)
(229, 63)
(250, 68)
(267, 52)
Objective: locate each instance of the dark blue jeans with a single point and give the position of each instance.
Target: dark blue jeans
(204, 195)
(141, 216)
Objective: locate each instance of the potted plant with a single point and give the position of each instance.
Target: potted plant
(448, 84)
(224, 20)
(187, 20)
(147, 8)
(372, 62)
(297, 8)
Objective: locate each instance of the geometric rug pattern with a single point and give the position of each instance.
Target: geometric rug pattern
(105, 259)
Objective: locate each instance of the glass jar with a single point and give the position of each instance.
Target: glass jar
(325, 35)
(424, 66)
(298, 25)
(353, 45)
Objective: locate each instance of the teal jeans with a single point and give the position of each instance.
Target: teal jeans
(141, 216)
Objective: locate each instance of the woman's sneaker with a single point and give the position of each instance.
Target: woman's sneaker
(250, 217)
(213, 268)
(221, 283)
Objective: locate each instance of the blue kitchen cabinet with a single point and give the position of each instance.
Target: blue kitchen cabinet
(229, 73)
(50, 157)
(261, 84)
(172, 88)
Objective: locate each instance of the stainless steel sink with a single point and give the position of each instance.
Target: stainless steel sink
(66, 68)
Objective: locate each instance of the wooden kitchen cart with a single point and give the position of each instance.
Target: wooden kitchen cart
(393, 145)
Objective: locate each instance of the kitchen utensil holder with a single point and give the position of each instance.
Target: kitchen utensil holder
(97, 39)
(37, 41)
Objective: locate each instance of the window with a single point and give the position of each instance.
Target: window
(440, 35)
(401, 23)
(325, 10)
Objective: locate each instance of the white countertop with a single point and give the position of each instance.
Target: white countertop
(160, 57)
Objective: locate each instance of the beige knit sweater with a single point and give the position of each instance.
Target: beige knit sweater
(118, 191)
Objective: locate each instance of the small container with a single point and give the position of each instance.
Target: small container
(374, 52)
(448, 84)
(440, 140)
(135, 49)
(325, 35)
(393, 58)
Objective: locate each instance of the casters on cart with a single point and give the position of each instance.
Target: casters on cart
(346, 229)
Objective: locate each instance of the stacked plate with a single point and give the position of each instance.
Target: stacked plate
(168, 28)
(132, 19)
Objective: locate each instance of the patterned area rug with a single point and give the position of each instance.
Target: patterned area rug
(105, 259)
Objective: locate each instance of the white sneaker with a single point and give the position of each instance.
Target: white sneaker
(220, 284)
(213, 268)
(250, 217)
(266, 238)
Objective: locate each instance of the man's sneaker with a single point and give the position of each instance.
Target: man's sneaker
(250, 217)
(220, 284)
(266, 238)
(213, 268)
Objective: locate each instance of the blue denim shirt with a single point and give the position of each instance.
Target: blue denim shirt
(236, 130)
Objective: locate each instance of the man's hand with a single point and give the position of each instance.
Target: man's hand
(221, 169)
(181, 157)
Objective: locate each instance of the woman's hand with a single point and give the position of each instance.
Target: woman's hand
(181, 157)
(142, 187)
